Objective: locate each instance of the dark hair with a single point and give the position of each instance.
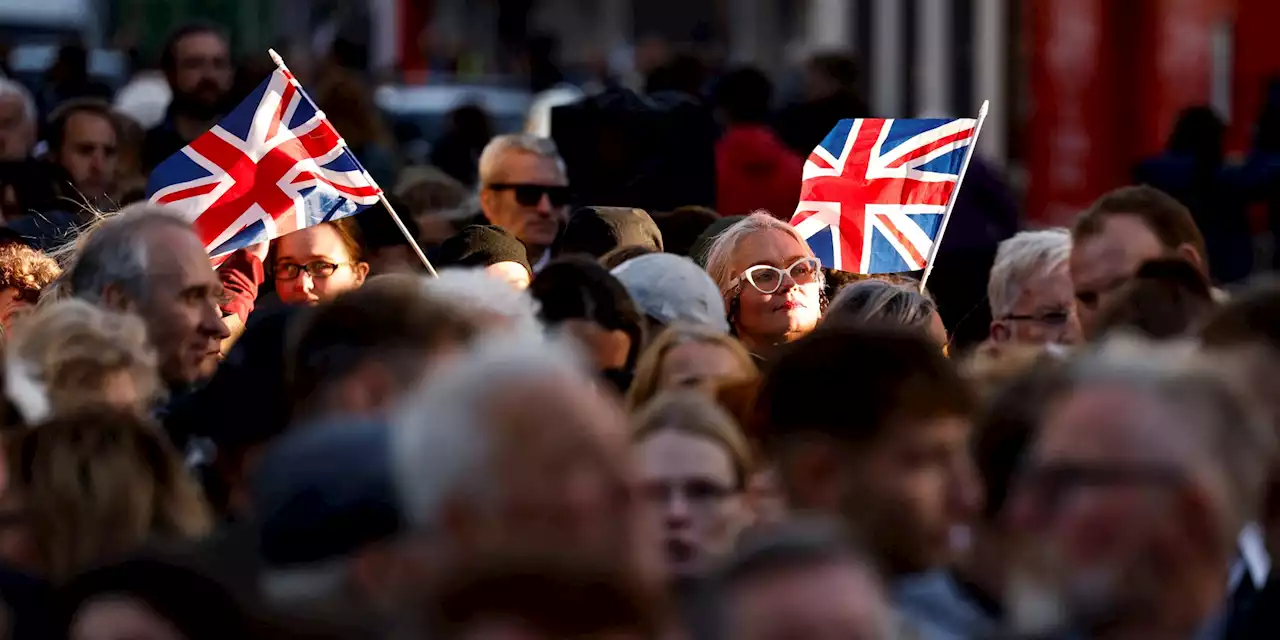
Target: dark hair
(843, 69)
(619, 255)
(389, 317)
(62, 115)
(744, 95)
(683, 226)
(793, 544)
(1166, 298)
(377, 228)
(169, 54)
(578, 288)
(810, 387)
(1168, 219)
(1251, 317)
(556, 597)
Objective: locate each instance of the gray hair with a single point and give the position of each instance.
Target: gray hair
(115, 252)
(880, 302)
(484, 296)
(500, 146)
(1027, 255)
(724, 248)
(440, 448)
(1223, 427)
(14, 89)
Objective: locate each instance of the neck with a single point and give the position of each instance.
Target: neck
(983, 567)
(764, 345)
(1191, 598)
(535, 253)
(190, 127)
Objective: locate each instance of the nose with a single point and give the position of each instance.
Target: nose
(303, 283)
(211, 323)
(677, 510)
(1072, 332)
(964, 493)
(544, 204)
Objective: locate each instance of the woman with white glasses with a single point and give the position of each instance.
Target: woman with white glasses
(771, 282)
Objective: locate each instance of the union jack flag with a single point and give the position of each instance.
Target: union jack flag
(875, 192)
(274, 165)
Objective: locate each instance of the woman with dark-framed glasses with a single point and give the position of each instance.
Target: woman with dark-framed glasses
(316, 264)
(771, 282)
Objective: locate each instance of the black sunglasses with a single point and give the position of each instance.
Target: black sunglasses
(529, 195)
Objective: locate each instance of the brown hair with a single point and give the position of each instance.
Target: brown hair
(1165, 299)
(62, 115)
(1168, 219)
(26, 269)
(694, 414)
(1251, 317)
(348, 234)
(644, 385)
(350, 108)
(98, 484)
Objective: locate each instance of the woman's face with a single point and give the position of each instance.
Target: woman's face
(697, 365)
(690, 487)
(120, 618)
(766, 319)
(312, 265)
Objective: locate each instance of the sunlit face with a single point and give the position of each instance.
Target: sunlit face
(512, 273)
(1102, 263)
(767, 319)
(120, 618)
(699, 365)
(692, 489)
(320, 264)
(1044, 313)
(535, 223)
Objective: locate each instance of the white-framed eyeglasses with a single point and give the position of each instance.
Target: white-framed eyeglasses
(767, 279)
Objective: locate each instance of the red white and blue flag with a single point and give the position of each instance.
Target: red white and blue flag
(274, 165)
(876, 192)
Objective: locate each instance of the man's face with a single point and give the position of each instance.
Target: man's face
(17, 131)
(181, 308)
(517, 201)
(202, 70)
(1044, 313)
(1096, 504)
(1102, 263)
(90, 154)
(835, 601)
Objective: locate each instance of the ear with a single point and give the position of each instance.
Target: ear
(361, 269)
(488, 202)
(811, 475)
(1189, 253)
(115, 298)
(1000, 332)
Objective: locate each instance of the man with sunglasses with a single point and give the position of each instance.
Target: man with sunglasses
(1147, 466)
(524, 189)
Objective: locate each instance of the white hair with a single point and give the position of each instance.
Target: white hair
(724, 249)
(439, 445)
(500, 146)
(115, 251)
(14, 89)
(485, 297)
(1027, 255)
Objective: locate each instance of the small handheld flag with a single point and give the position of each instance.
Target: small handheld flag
(877, 193)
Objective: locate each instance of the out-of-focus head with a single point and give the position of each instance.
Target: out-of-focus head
(196, 61)
(770, 281)
(672, 289)
(69, 356)
(1119, 232)
(435, 200)
(24, 273)
(1166, 298)
(802, 580)
(147, 260)
(689, 356)
(898, 468)
(580, 298)
(1246, 330)
(1148, 465)
(385, 247)
(694, 465)
(317, 263)
(524, 188)
(87, 488)
(358, 353)
(17, 121)
(479, 470)
(488, 300)
(489, 247)
(84, 139)
(1030, 290)
(595, 231)
(876, 302)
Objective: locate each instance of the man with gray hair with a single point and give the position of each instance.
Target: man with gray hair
(524, 188)
(517, 449)
(1148, 466)
(1030, 291)
(149, 261)
(17, 121)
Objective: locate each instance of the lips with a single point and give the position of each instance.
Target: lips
(788, 305)
(680, 552)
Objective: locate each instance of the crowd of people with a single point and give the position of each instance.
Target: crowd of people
(605, 422)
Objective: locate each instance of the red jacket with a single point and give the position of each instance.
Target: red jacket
(754, 170)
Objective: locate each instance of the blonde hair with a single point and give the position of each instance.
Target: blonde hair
(98, 485)
(723, 250)
(644, 386)
(67, 349)
(26, 269)
(695, 414)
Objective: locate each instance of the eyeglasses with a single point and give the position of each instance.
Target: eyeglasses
(698, 493)
(1056, 318)
(1053, 482)
(317, 269)
(768, 279)
(529, 195)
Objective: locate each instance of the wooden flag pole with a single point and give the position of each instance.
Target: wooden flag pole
(382, 196)
(951, 203)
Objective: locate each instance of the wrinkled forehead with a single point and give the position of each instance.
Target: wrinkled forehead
(526, 167)
(1106, 421)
